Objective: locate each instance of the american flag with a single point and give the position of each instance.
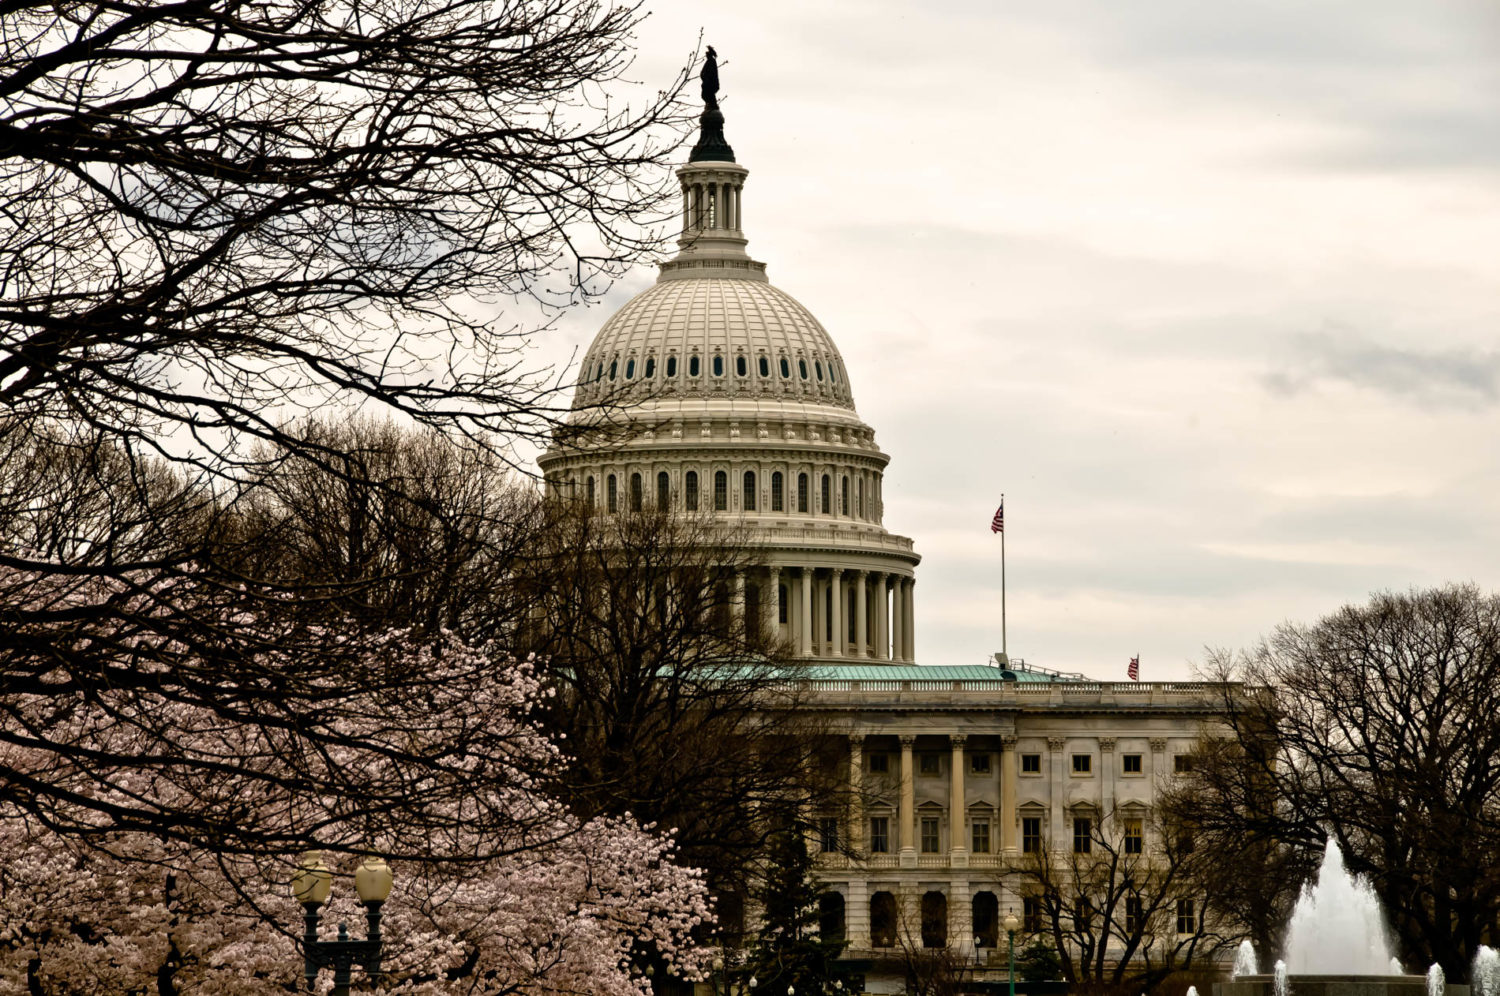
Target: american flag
(997, 524)
(1135, 668)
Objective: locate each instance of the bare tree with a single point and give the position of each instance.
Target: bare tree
(672, 695)
(1121, 907)
(217, 215)
(1379, 726)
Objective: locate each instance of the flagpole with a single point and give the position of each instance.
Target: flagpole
(1004, 645)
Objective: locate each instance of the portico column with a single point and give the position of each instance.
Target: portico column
(882, 617)
(836, 617)
(1056, 789)
(771, 605)
(861, 620)
(856, 793)
(1107, 762)
(897, 615)
(1008, 774)
(906, 815)
(909, 627)
(958, 850)
(805, 637)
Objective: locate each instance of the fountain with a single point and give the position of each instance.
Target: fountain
(1485, 978)
(1337, 945)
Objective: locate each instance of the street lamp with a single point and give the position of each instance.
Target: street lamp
(1012, 925)
(310, 887)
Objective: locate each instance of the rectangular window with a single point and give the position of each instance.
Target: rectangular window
(1083, 835)
(1031, 764)
(1135, 915)
(930, 764)
(828, 834)
(980, 843)
(929, 835)
(880, 834)
(880, 763)
(1135, 837)
(1083, 764)
(979, 764)
(1031, 834)
(1031, 915)
(612, 495)
(1187, 916)
(1083, 915)
(690, 491)
(1182, 763)
(1130, 764)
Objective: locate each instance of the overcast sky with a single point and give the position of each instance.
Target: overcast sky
(1210, 291)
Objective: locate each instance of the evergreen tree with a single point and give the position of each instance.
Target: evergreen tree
(790, 953)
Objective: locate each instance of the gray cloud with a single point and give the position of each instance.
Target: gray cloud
(1437, 378)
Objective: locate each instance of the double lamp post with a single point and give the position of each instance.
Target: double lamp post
(310, 887)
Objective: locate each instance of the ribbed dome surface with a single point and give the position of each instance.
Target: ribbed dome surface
(714, 337)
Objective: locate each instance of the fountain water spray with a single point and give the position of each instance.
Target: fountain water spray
(1336, 927)
(1244, 961)
(1280, 987)
(1435, 980)
(1484, 979)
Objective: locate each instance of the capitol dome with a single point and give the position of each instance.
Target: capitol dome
(715, 393)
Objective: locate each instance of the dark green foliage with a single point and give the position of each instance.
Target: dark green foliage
(1038, 962)
(790, 951)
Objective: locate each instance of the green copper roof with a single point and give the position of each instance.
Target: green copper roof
(919, 672)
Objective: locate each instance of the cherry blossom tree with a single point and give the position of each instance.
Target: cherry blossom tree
(512, 893)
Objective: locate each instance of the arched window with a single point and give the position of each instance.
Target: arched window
(589, 487)
(818, 366)
(693, 365)
(802, 368)
(844, 506)
(630, 369)
(802, 492)
(765, 367)
(614, 366)
(663, 489)
(690, 491)
(748, 504)
(612, 494)
(671, 366)
(635, 492)
(860, 488)
(721, 491)
(825, 499)
(934, 920)
(650, 367)
(833, 376)
(718, 366)
(831, 916)
(883, 920)
(741, 366)
(778, 492)
(986, 920)
(786, 370)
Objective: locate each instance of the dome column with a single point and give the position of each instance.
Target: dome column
(737, 603)
(836, 617)
(861, 620)
(770, 605)
(898, 617)
(882, 617)
(805, 627)
(909, 626)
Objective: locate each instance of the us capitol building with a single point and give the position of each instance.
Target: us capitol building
(741, 404)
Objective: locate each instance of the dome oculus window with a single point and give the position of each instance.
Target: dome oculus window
(614, 366)
(599, 375)
(786, 369)
(765, 367)
(718, 366)
(693, 366)
(741, 368)
(801, 368)
(630, 369)
(818, 366)
(833, 375)
(650, 367)
(671, 366)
